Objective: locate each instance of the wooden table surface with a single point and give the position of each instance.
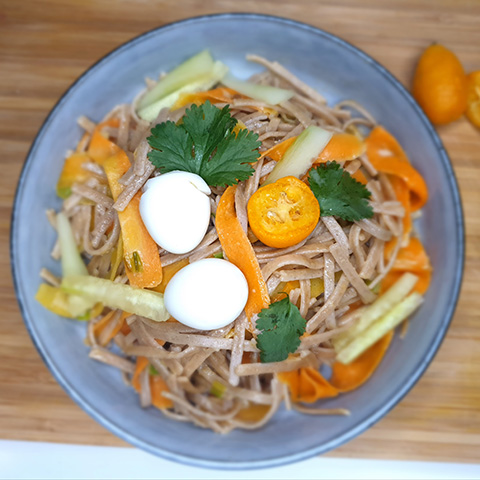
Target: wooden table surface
(46, 44)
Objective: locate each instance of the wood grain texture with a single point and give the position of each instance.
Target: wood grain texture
(46, 44)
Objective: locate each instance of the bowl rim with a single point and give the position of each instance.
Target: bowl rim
(359, 427)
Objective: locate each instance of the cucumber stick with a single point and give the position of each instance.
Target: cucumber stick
(138, 301)
(201, 83)
(384, 303)
(264, 93)
(72, 264)
(300, 156)
(379, 328)
(187, 72)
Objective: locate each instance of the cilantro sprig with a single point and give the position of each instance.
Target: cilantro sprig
(282, 326)
(204, 143)
(339, 194)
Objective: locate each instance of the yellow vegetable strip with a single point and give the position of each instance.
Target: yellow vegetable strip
(54, 299)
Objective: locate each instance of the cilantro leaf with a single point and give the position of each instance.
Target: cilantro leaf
(339, 194)
(171, 145)
(282, 327)
(205, 143)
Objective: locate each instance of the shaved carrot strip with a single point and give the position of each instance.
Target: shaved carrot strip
(252, 413)
(125, 328)
(168, 272)
(141, 365)
(384, 144)
(284, 289)
(386, 155)
(412, 258)
(100, 326)
(118, 326)
(116, 259)
(239, 251)
(140, 252)
(112, 122)
(402, 193)
(82, 143)
(351, 376)
(72, 172)
(307, 385)
(221, 94)
(360, 177)
(424, 279)
(157, 385)
(278, 151)
(101, 148)
(415, 182)
(423, 284)
(342, 147)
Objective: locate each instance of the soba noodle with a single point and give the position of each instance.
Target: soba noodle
(344, 254)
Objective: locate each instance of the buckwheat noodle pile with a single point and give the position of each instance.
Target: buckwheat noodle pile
(347, 255)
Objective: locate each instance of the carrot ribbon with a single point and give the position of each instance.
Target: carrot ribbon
(217, 95)
(412, 258)
(307, 385)
(239, 251)
(387, 156)
(140, 252)
(348, 377)
(157, 385)
(100, 147)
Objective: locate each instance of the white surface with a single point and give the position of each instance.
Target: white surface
(31, 460)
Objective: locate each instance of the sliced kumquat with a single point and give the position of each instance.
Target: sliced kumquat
(283, 213)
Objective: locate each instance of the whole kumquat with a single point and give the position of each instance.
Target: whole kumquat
(473, 98)
(440, 85)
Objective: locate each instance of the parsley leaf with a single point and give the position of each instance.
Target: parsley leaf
(282, 327)
(205, 143)
(339, 194)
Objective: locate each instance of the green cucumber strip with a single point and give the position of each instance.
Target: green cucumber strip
(263, 93)
(187, 72)
(134, 300)
(299, 157)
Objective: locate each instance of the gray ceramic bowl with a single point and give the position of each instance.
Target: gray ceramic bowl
(339, 71)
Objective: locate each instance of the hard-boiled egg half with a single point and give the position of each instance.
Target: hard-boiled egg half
(175, 209)
(207, 294)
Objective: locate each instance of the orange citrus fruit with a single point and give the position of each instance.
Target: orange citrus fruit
(440, 85)
(473, 98)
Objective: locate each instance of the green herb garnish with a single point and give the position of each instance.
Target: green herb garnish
(339, 194)
(204, 143)
(282, 326)
(218, 255)
(152, 370)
